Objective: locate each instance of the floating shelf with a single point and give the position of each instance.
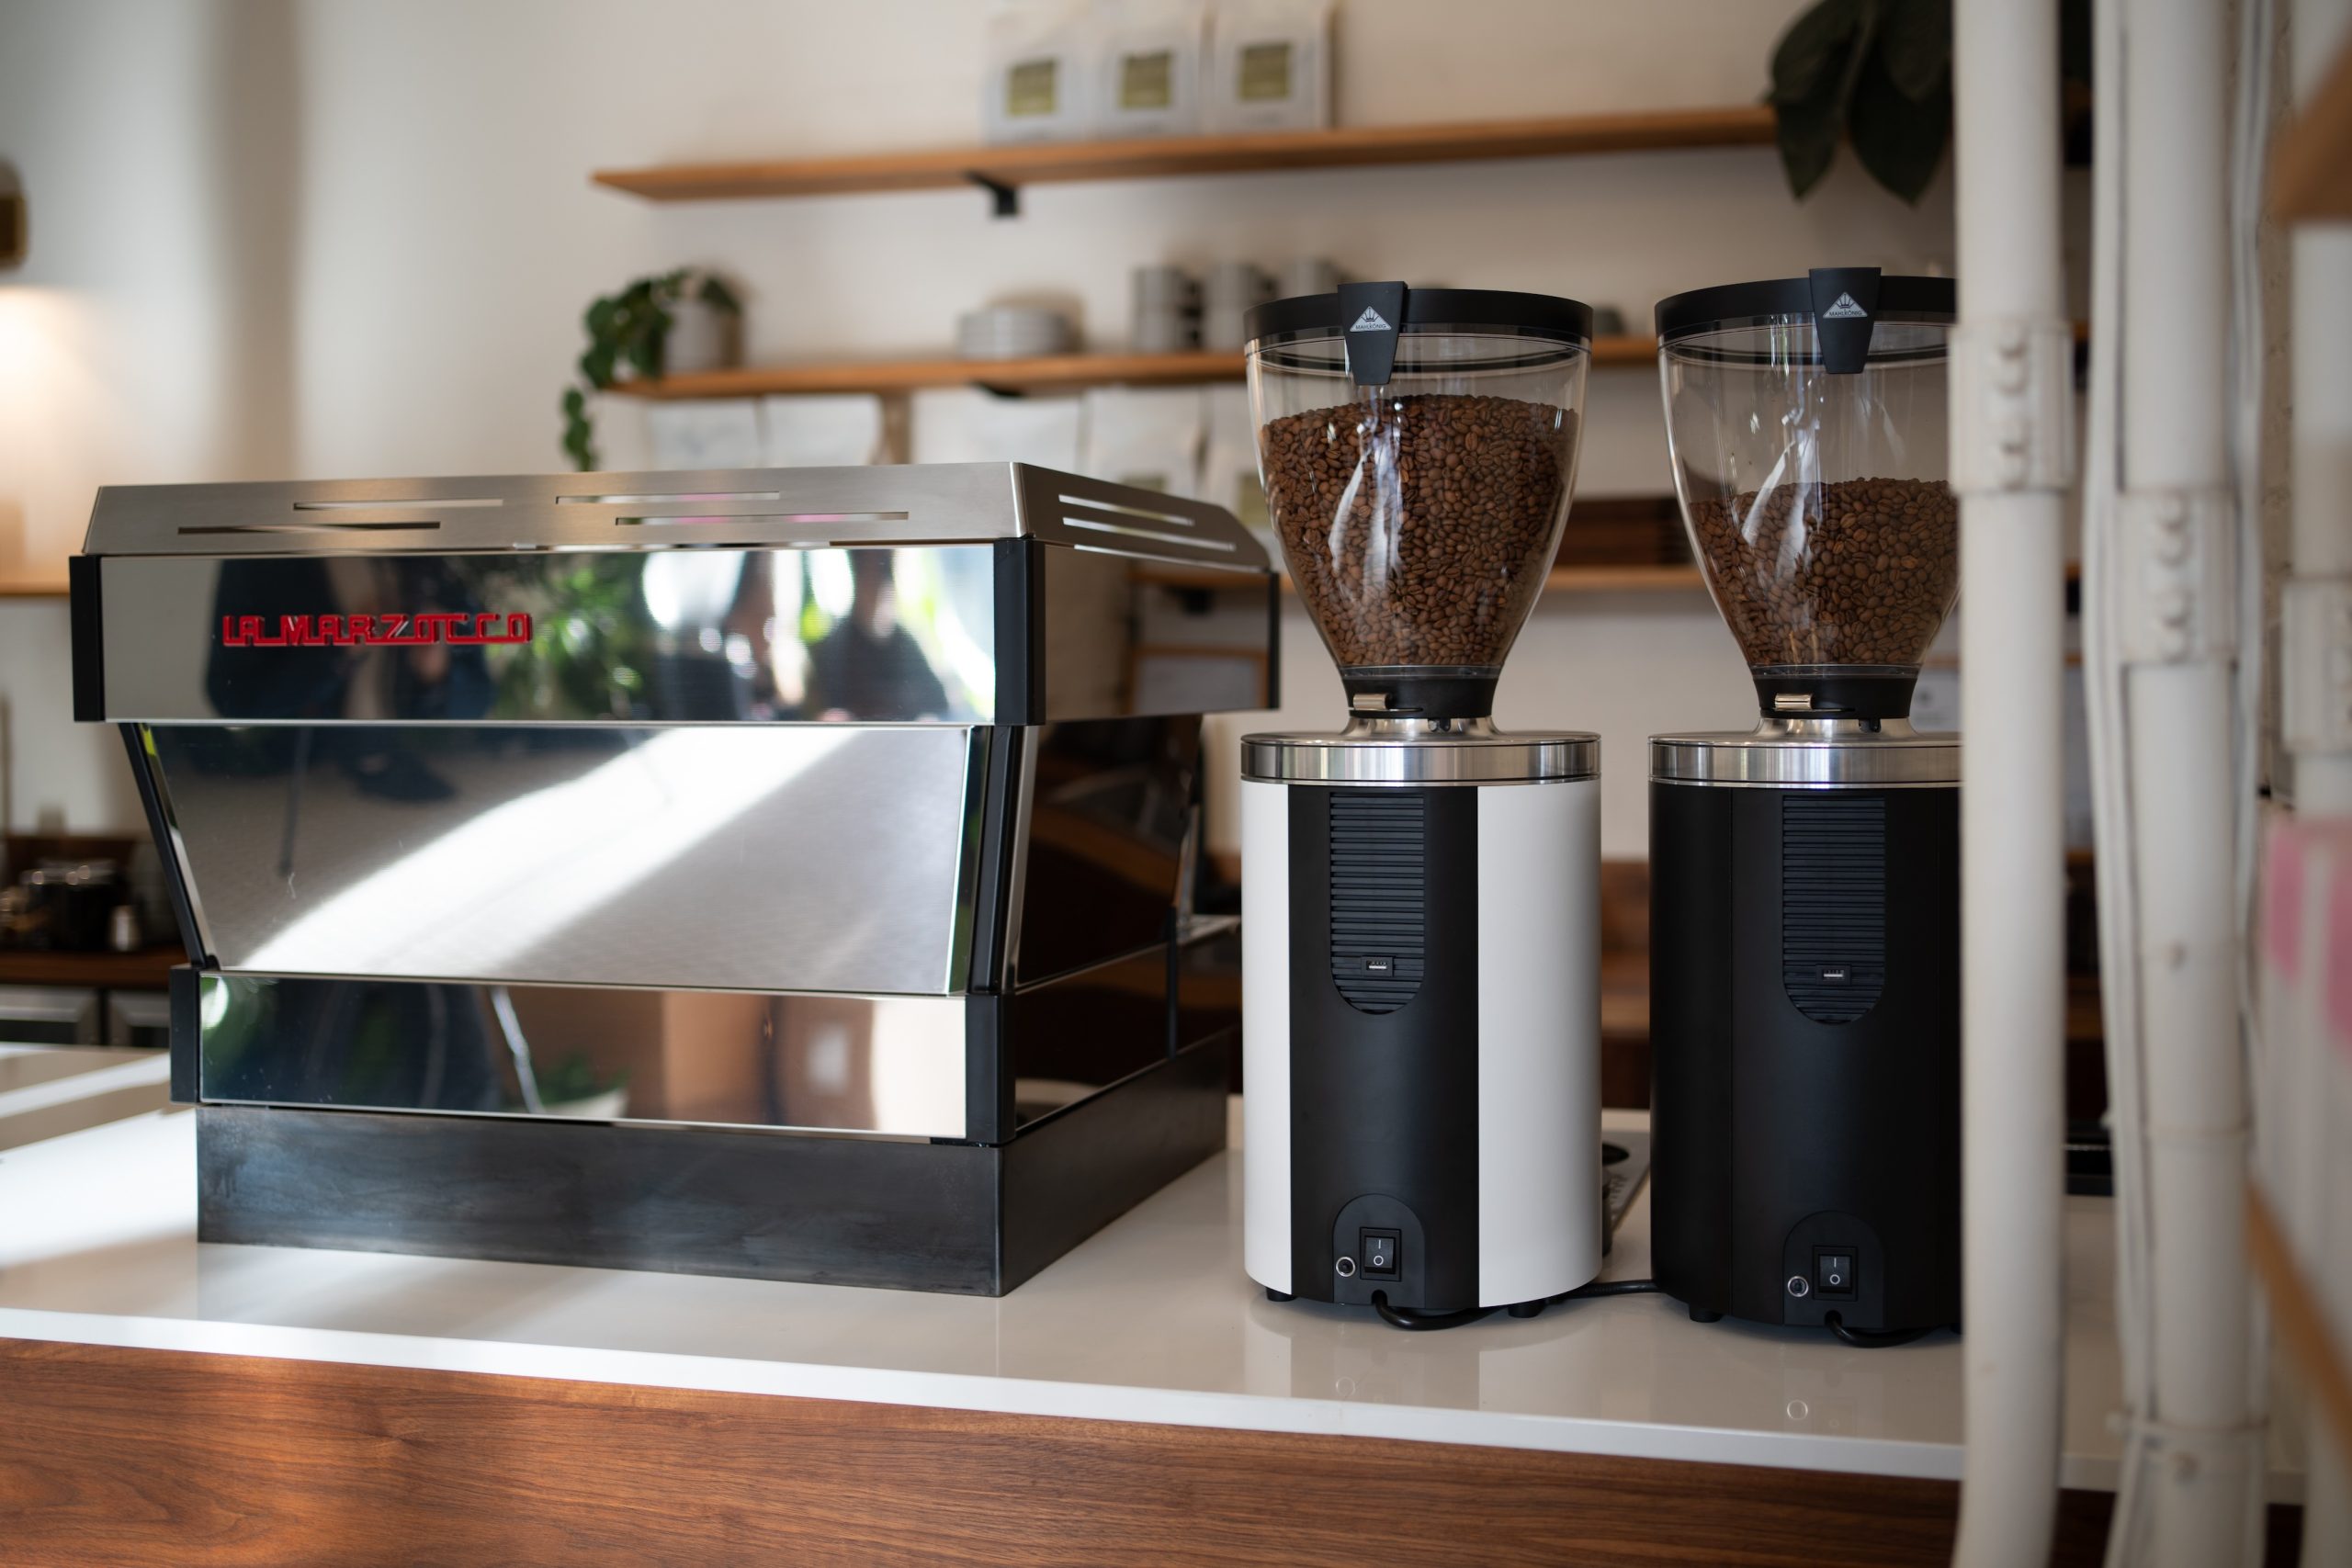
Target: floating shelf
(1007, 169)
(1060, 372)
(2310, 163)
(30, 587)
(1560, 580)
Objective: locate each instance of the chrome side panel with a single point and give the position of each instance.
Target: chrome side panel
(665, 635)
(1106, 821)
(834, 858)
(881, 1064)
(910, 634)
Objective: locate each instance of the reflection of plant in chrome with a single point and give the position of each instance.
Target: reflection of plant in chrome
(591, 639)
(575, 1078)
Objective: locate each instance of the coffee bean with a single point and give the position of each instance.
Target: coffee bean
(1418, 529)
(1859, 572)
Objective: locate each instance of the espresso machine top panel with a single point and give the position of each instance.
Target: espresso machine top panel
(883, 504)
(950, 593)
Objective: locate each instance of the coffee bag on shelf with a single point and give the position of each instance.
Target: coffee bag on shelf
(1269, 66)
(963, 425)
(1147, 70)
(1037, 76)
(1145, 436)
(820, 432)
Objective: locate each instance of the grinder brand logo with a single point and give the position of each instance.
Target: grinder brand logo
(392, 630)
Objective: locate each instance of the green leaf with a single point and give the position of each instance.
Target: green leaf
(645, 353)
(719, 297)
(579, 435)
(1812, 54)
(1808, 137)
(1915, 44)
(1900, 141)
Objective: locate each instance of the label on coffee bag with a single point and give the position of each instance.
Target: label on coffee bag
(1263, 72)
(1146, 81)
(1029, 86)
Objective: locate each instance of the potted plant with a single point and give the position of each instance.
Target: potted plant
(678, 322)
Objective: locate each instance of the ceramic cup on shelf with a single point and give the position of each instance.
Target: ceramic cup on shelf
(1308, 274)
(1233, 288)
(1167, 309)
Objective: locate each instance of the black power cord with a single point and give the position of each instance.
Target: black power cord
(1873, 1339)
(1406, 1317)
(1609, 1288)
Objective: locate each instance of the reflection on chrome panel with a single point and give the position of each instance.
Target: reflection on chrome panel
(1113, 813)
(900, 635)
(615, 635)
(779, 857)
(889, 1065)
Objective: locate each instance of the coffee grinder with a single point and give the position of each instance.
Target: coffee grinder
(1420, 913)
(1804, 917)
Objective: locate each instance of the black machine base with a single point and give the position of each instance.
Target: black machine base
(1805, 977)
(961, 1218)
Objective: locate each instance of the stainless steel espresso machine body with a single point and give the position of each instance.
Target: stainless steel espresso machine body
(776, 873)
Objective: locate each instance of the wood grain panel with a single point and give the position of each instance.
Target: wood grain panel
(138, 1457)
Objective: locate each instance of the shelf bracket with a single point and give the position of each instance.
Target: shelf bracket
(1007, 197)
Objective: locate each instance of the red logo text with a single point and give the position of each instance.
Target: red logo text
(392, 630)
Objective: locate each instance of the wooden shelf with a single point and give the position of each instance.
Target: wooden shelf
(1560, 580)
(2310, 163)
(30, 587)
(2300, 1316)
(149, 970)
(1060, 372)
(1009, 168)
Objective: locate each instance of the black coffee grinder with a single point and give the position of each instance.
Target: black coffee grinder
(1804, 917)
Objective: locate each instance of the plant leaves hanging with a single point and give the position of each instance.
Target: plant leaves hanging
(1899, 140)
(1814, 73)
(1915, 42)
(1814, 53)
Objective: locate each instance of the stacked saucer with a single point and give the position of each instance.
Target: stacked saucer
(1014, 332)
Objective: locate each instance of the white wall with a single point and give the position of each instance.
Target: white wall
(145, 339)
(444, 236)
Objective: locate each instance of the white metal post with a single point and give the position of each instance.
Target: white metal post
(2175, 1046)
(2012, 447)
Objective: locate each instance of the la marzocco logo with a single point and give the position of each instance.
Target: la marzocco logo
(374, 631)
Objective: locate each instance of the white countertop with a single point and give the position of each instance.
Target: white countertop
(48, 1090)
(1150, 1320)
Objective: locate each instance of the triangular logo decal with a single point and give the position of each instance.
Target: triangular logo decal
(1369, 321)
(1845, 308)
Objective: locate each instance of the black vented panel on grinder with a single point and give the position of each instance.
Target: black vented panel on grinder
(1378, 855)
(1833, 903)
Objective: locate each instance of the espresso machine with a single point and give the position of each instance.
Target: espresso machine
(1805, 916)
(1421, 908)
(784, 874)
